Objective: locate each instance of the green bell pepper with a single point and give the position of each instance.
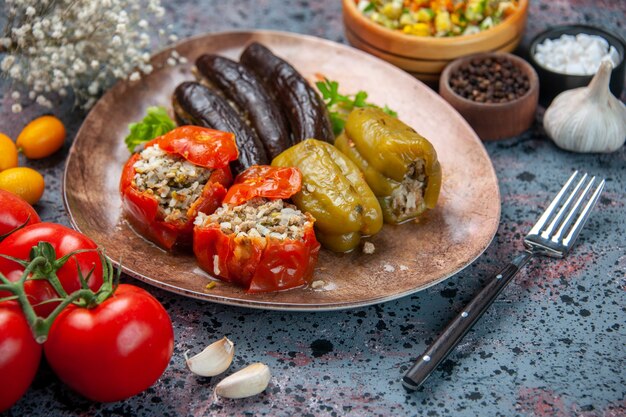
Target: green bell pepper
(334, 192)
(400, 165)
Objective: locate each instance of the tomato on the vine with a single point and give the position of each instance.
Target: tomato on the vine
(112, 351)
(15, 212)
(64, 241)
(19, 354)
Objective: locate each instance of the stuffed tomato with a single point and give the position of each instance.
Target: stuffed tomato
(175, 177)
(256, 240)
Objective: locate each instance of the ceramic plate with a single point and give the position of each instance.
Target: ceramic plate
(408, 258)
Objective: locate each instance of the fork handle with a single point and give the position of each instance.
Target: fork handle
(428, 361)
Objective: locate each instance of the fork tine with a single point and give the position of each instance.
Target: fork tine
(569, 219)
(582, 218)
(564, 209)
(552, 207)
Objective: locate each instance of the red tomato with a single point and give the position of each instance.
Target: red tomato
(14, 212)
(257, 264)
(115, 350)
(143, 208)
(64, 240)
(201, 146)
(19, 354)
(264, 181)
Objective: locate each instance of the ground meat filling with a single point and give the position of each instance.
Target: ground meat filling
(259, 218)
(407, 200)
(174, 182)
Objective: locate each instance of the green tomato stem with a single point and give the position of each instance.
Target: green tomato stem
(21, 226)
(17, 288)
(56, 284)
(41, 327)
(36, 262)
(86, 298)
(4, 281)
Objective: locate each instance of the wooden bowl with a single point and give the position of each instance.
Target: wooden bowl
(426, 57)
(493, 121)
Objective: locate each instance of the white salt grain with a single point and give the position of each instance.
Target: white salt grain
(575, 55)
(368, 248)
(317, 284)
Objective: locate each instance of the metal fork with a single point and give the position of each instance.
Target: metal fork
(553, 235)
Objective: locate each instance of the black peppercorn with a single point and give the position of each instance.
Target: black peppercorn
(489, 80)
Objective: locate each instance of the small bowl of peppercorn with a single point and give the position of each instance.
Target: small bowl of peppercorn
(497, 93)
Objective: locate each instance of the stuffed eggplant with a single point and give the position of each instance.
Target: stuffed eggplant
(256, 240)
(239, 85)
(196, 104)
(175, 177)
(400, 165)
(304, 108)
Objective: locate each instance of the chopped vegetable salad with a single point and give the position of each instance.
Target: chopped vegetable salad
(438, 18)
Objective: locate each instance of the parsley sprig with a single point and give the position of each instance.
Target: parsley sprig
(154, 124)
(340, 105)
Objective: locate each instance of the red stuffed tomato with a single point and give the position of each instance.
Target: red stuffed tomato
(114, 350)
(19, 354)
(259, 242)
(264, 181)
(14, 213)
(64, 241)
(176, 176)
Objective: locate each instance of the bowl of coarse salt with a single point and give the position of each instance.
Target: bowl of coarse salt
(568, 56)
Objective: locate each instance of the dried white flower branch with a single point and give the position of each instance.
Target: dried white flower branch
(52, 46)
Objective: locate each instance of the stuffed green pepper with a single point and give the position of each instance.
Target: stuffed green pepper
(400, 165)
(334, 192)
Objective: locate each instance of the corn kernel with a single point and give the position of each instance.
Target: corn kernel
(417, 29)
(392, 10)
(442, 22)
(425, 15)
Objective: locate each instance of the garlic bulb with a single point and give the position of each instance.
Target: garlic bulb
(213, 360)
(588, 119)
(247, 382)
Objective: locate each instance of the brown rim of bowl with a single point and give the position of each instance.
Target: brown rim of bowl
(382, 31)
(515, 40)
(533, 78)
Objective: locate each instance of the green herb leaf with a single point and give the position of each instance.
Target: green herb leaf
(339, 105)
(390, 112)
(323, 87)
(154, 124)
(337, 122)
(360, 99)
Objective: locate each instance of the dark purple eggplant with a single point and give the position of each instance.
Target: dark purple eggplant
(304, 108)
(241, 86)
(195, 104)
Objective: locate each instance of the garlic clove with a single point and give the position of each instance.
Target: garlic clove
(213, 360)
(588, 119)
(249, 381)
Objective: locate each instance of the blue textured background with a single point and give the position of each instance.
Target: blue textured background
(552, 345)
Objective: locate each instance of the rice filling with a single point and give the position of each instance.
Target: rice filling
(408, 198)
(259, 218)
(175, 182)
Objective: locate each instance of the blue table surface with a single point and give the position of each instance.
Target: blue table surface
(553, 344)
